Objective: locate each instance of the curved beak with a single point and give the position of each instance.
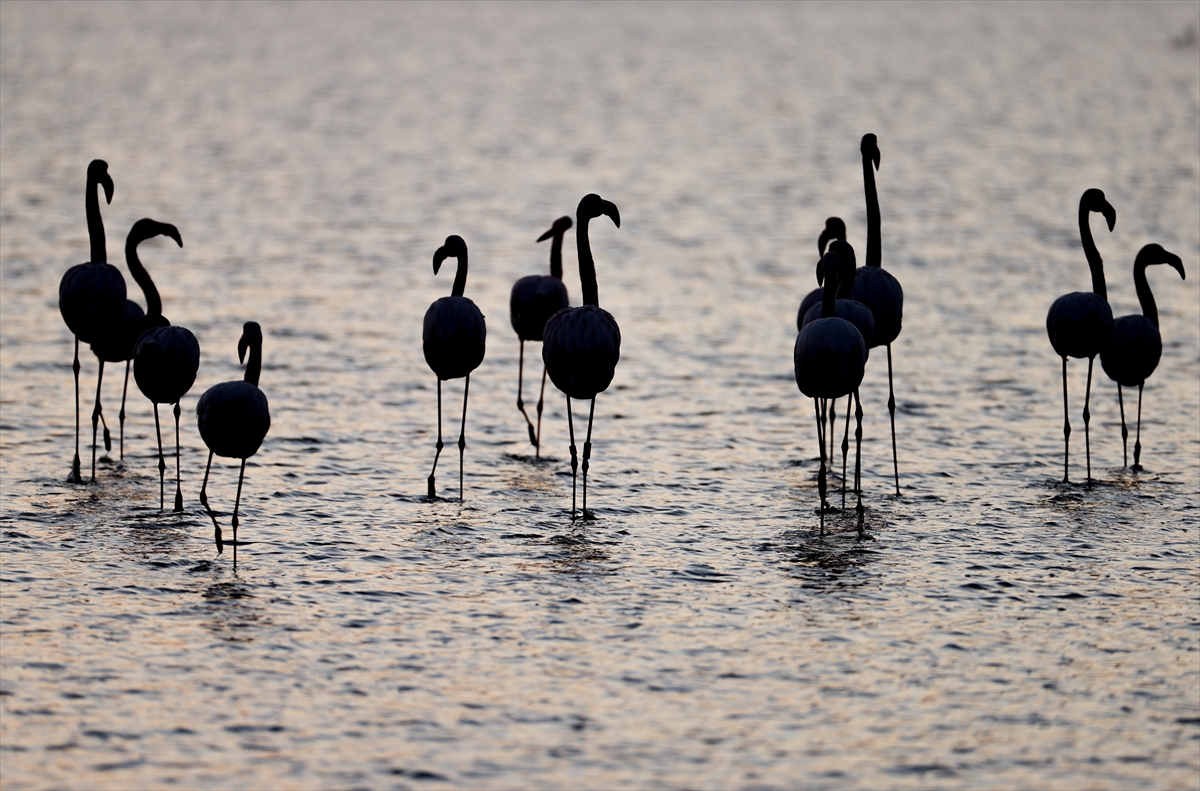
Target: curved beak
(173, 232)
(107, 183)
(243, 344)
(438, 257)
(1110, 215)
(821, 271)
(823, 240)
(609, 208)
(1176, 263)
(547, 235)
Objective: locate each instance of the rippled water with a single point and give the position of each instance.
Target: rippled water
(1001, 630)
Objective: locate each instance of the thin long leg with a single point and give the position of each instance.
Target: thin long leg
(178, 490)
(521, 404)
(862, 532)
(1124, 429)
(832, 427)
(1066, 429)
(892, 412)
(462, 438)
(574, 457)
(432, 483)
(96, 420)
(587, 454)
(76, 476)
(1087, 417)
(821, 472)
(204, 502)
(1137, 445)
(845, 452)
(540, 404)
(236, 502)
(121, 414)
(162, 465)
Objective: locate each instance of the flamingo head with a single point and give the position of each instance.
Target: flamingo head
(454, 247)
(561, 226)
(146, 228)
(98, 174)
(593, 206)
(1155, 254)
(834, 229)
(1094, 200)
(870, 148)
(251, 337)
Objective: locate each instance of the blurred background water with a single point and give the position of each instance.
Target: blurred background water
(1001, 630)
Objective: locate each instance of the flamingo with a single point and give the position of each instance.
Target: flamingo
(860, 316)
(582, 345)
(535, 298)
(830, 358)
(90, 296)
(1079, 324)
(834, 229)
(1135, 345)
(115, 344)
(165, 362)
(877, 288)
(233, 418)
(453, 338)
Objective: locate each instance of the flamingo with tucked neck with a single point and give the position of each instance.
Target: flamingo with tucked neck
(1135, 346)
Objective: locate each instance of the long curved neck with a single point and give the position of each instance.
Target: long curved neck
(254, 365)
(1145, 296)
(153, 303)
(874, 254)
(1095, 263)
(460, 276)
(556, 256)
(95, 224)
(587, 265)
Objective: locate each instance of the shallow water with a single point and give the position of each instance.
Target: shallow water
(1000, 630)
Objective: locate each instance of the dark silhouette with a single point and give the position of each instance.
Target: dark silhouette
(165, 362)
(860, 316)
(115, 344)
(233, 418)
(535, 298)
(1079, 324)
(1135, 345)
(877, 288)
(830, 358)
(453, 339)
(581, 346)
(834, 229)
(90, 297)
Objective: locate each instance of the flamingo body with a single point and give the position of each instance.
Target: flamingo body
(535, 298)
(233, 418)
(876, 288)
(1079, 324)
(1133, 351)
(852, 311)
(165, 363)
(91, 297)
(830, 358)
(581, 349)
(454, 337)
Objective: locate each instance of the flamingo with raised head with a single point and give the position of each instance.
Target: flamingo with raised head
(834, 229)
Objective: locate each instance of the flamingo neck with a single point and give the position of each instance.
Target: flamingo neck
(153, 302)
(874, 254)
(94, 222)
(587, 265)
(556, 256)
(1144, 294)
(254, 365)
(829, 297)
(460, 275)
(1095, 263)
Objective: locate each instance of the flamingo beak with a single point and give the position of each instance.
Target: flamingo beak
(606, 207)
(173, 232)
(546, 235)
(1177, 264)
(243, 344)
(875, 158)
(438, 257)
(107, 183)
(823, 240)
(821, 271)
(1110, 215)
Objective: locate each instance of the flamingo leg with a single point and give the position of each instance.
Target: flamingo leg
(1137, 445)
(432, 484)
(540, 404)
(587, 454)
(234, 522)
(1124, 429)
(462, 438)
(1087, 417)
(521, 404)
(1066, 429)
(845, 452)
(892, 412)
(121, 414)
(862, 533)
(96, 414)
(204, 502)
(76, 476)
(574, 457)
(832, 428)
(178, 490)
(821, 472)
(162, 465)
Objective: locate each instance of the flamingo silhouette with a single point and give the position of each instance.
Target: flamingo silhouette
(535, 298)
(834, 229)
(581, 346)
(90, 297)
(453, 339)
(1135, 346)
(830, 358)
(116, 343)
(1080, 323)
(233, 418)
(877, 288)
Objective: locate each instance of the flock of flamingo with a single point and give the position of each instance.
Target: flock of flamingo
(853, 310)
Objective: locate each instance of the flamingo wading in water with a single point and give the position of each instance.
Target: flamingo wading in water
(454, 339)
(91, 296)
(233, 418)
(1135, 346)
(535, 298)
(581, 346)
(1080, 323)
